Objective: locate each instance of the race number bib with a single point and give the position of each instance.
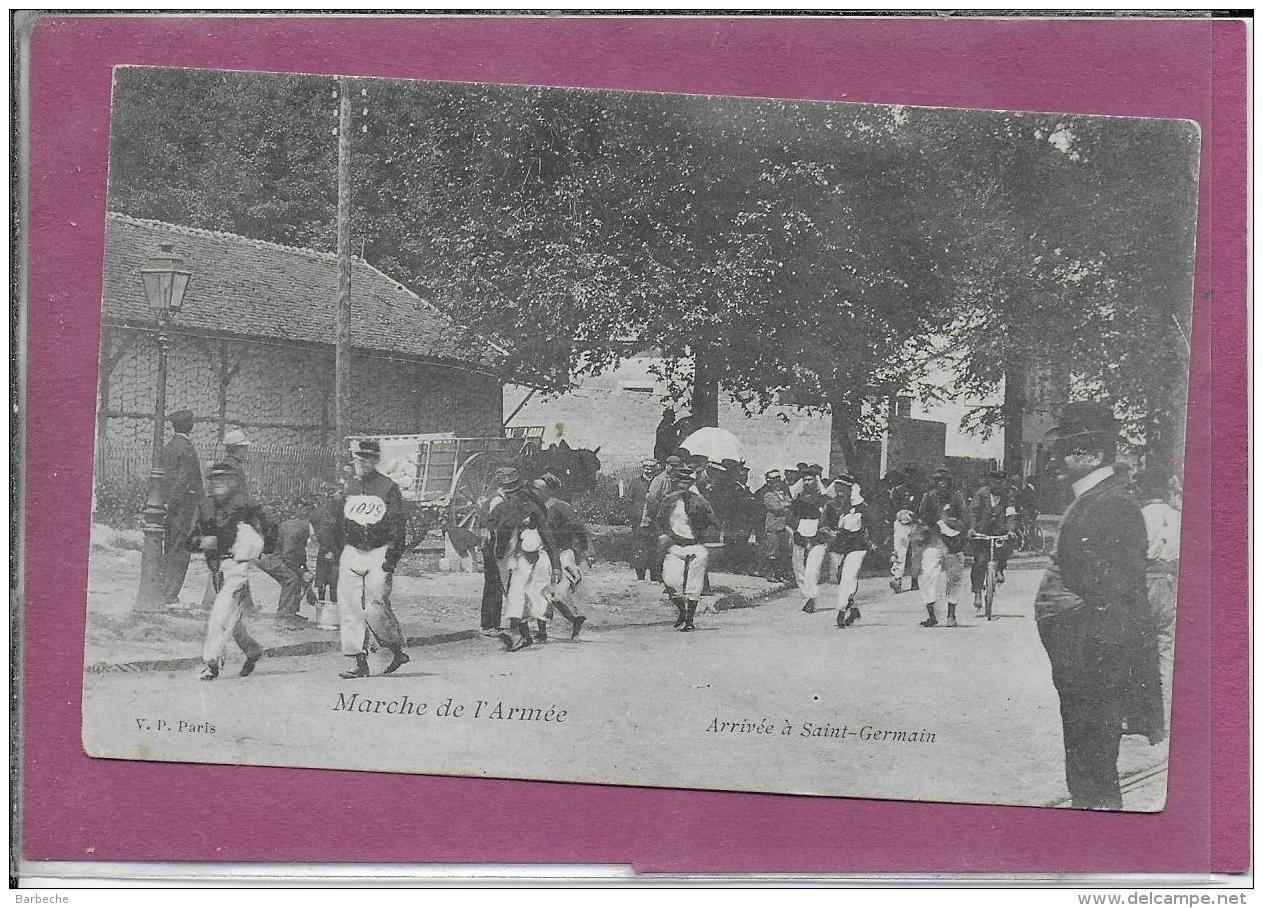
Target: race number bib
(365, 510)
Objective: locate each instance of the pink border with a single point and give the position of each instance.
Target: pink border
(81, 809)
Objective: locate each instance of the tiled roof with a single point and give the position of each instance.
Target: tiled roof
(259, 289)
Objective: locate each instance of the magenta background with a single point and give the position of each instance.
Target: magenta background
(76, 808)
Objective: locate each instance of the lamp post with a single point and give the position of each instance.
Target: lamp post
(165, 280)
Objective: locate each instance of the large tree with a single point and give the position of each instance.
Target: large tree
(759, 246)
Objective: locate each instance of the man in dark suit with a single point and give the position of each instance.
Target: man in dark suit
(1092, 611)
(665, 438)
(181, 493)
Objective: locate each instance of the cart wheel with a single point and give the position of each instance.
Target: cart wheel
(468, 486)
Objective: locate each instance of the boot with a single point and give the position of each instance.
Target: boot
(689, 612)
(978, 604)
(251, 661)
(896, 585)
(951, 614)
(852, 612)
(399, 658)
(576, 625)
(360, 670)
(682, 609)
(524, 628)
(210, 671)
(841, 617)
(931, 621)
(541, 631)
(916, 584)
(809, 606)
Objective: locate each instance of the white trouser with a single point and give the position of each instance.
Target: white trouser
(901, 538)
(525, 577)
(363, 601)
(849, 563)
(807, 562)
(939, 564)
(564, 592)
(226, 613)
(684, 570)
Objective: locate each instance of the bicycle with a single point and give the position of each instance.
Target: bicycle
(1027, 536)
(988, 590)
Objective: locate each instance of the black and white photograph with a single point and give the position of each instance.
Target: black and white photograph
(640, 439)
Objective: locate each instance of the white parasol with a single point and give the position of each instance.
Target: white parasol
(715, 444)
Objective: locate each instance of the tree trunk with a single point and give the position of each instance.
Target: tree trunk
(1013, 411)
(843, 417)
(704, 405)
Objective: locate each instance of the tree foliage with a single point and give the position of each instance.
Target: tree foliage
(823, 249)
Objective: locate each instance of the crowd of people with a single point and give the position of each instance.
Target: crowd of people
(1105, 609)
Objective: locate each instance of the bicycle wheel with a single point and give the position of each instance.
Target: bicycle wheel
(988, 595)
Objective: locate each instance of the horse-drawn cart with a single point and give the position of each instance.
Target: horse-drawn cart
(443, 477)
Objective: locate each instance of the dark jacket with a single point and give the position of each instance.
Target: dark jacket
(1100, 565)
(697, 510)
(291, 542)
(181, 476)
(808, 507)
(520, 510)
(665, 440)
(370, 515)
(221, 519)
(932, 504)
(637, 494)
(567, 529)
(845, 541)
(990, 519)
(905, 497)
(324, 520)
(1101, 551)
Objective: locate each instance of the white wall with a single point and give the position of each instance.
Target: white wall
(603, 412)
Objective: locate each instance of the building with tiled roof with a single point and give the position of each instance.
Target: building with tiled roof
(252, 346)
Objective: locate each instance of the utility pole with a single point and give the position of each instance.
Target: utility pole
(342, 333)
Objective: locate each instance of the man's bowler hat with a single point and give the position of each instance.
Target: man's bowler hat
(370, 448)
(181, 416)
(1084, 417)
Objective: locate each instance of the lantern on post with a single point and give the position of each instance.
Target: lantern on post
(165, 281)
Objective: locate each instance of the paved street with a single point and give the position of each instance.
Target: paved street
(884, 709)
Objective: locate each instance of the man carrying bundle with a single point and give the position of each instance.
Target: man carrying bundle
(573, 544)
(526, 558)
(229, 529)
(683, 518)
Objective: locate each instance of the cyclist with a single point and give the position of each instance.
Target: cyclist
(993, 515)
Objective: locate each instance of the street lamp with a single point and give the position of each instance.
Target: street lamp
(165, 280)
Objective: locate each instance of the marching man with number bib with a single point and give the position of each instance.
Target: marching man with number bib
(370, 533)
(847, 517)
(684, 517)
(229, 529)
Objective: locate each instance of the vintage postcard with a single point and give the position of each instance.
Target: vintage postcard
(640, 439)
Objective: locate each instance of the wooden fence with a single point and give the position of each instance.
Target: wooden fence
(274, 471)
